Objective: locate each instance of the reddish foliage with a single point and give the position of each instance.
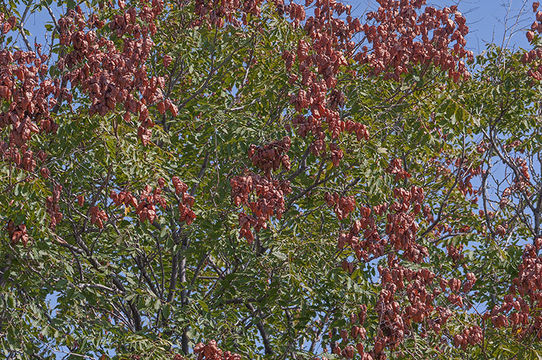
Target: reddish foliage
(342, 206)
(211, 351)
(7, 24)
(396, 168)
(97, 216)
(402, 34)
(521, 306)
(533, 56)
(407, 296)
(30, 98)
(216, 13)
(17, 233)
(53, 208)
(470, 336)
(269, 200)
(402, 37)
(110, 76)
(270, 156)
(146, 205)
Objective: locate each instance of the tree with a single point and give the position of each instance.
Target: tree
(254, 179)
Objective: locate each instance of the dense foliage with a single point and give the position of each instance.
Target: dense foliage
(250, 179)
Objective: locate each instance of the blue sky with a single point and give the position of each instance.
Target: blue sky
(488, 20)
(503, 22)
(498, 21)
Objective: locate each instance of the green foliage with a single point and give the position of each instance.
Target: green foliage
(134, 287)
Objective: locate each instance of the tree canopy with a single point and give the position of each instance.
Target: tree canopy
(258, 179)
